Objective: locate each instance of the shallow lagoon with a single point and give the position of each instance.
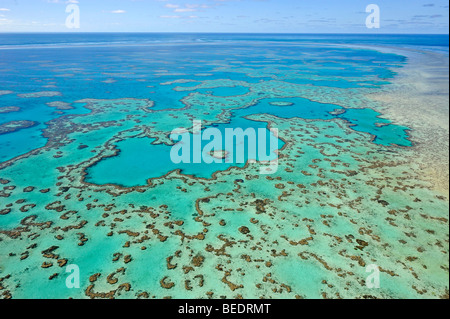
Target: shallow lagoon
(139, 159)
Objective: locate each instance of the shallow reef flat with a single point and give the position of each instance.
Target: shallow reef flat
(14, 126)
(349, 191)
(9, 109)
(422, 82)
(62, 106)
(40, 94)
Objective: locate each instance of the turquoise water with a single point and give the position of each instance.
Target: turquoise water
(94, 180)
(139, 159)
(70, 72)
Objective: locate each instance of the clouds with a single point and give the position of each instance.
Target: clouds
(184, 10)
(320, 16)
(177, 17)
(186, 7)
(64, 1)
(3, 19)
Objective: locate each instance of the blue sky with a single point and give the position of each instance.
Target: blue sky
(285, 16)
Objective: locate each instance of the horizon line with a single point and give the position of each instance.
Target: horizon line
(175, 32)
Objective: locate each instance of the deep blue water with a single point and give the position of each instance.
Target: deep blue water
(424, 40)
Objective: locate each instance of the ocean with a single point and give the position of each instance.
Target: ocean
(88, 177)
